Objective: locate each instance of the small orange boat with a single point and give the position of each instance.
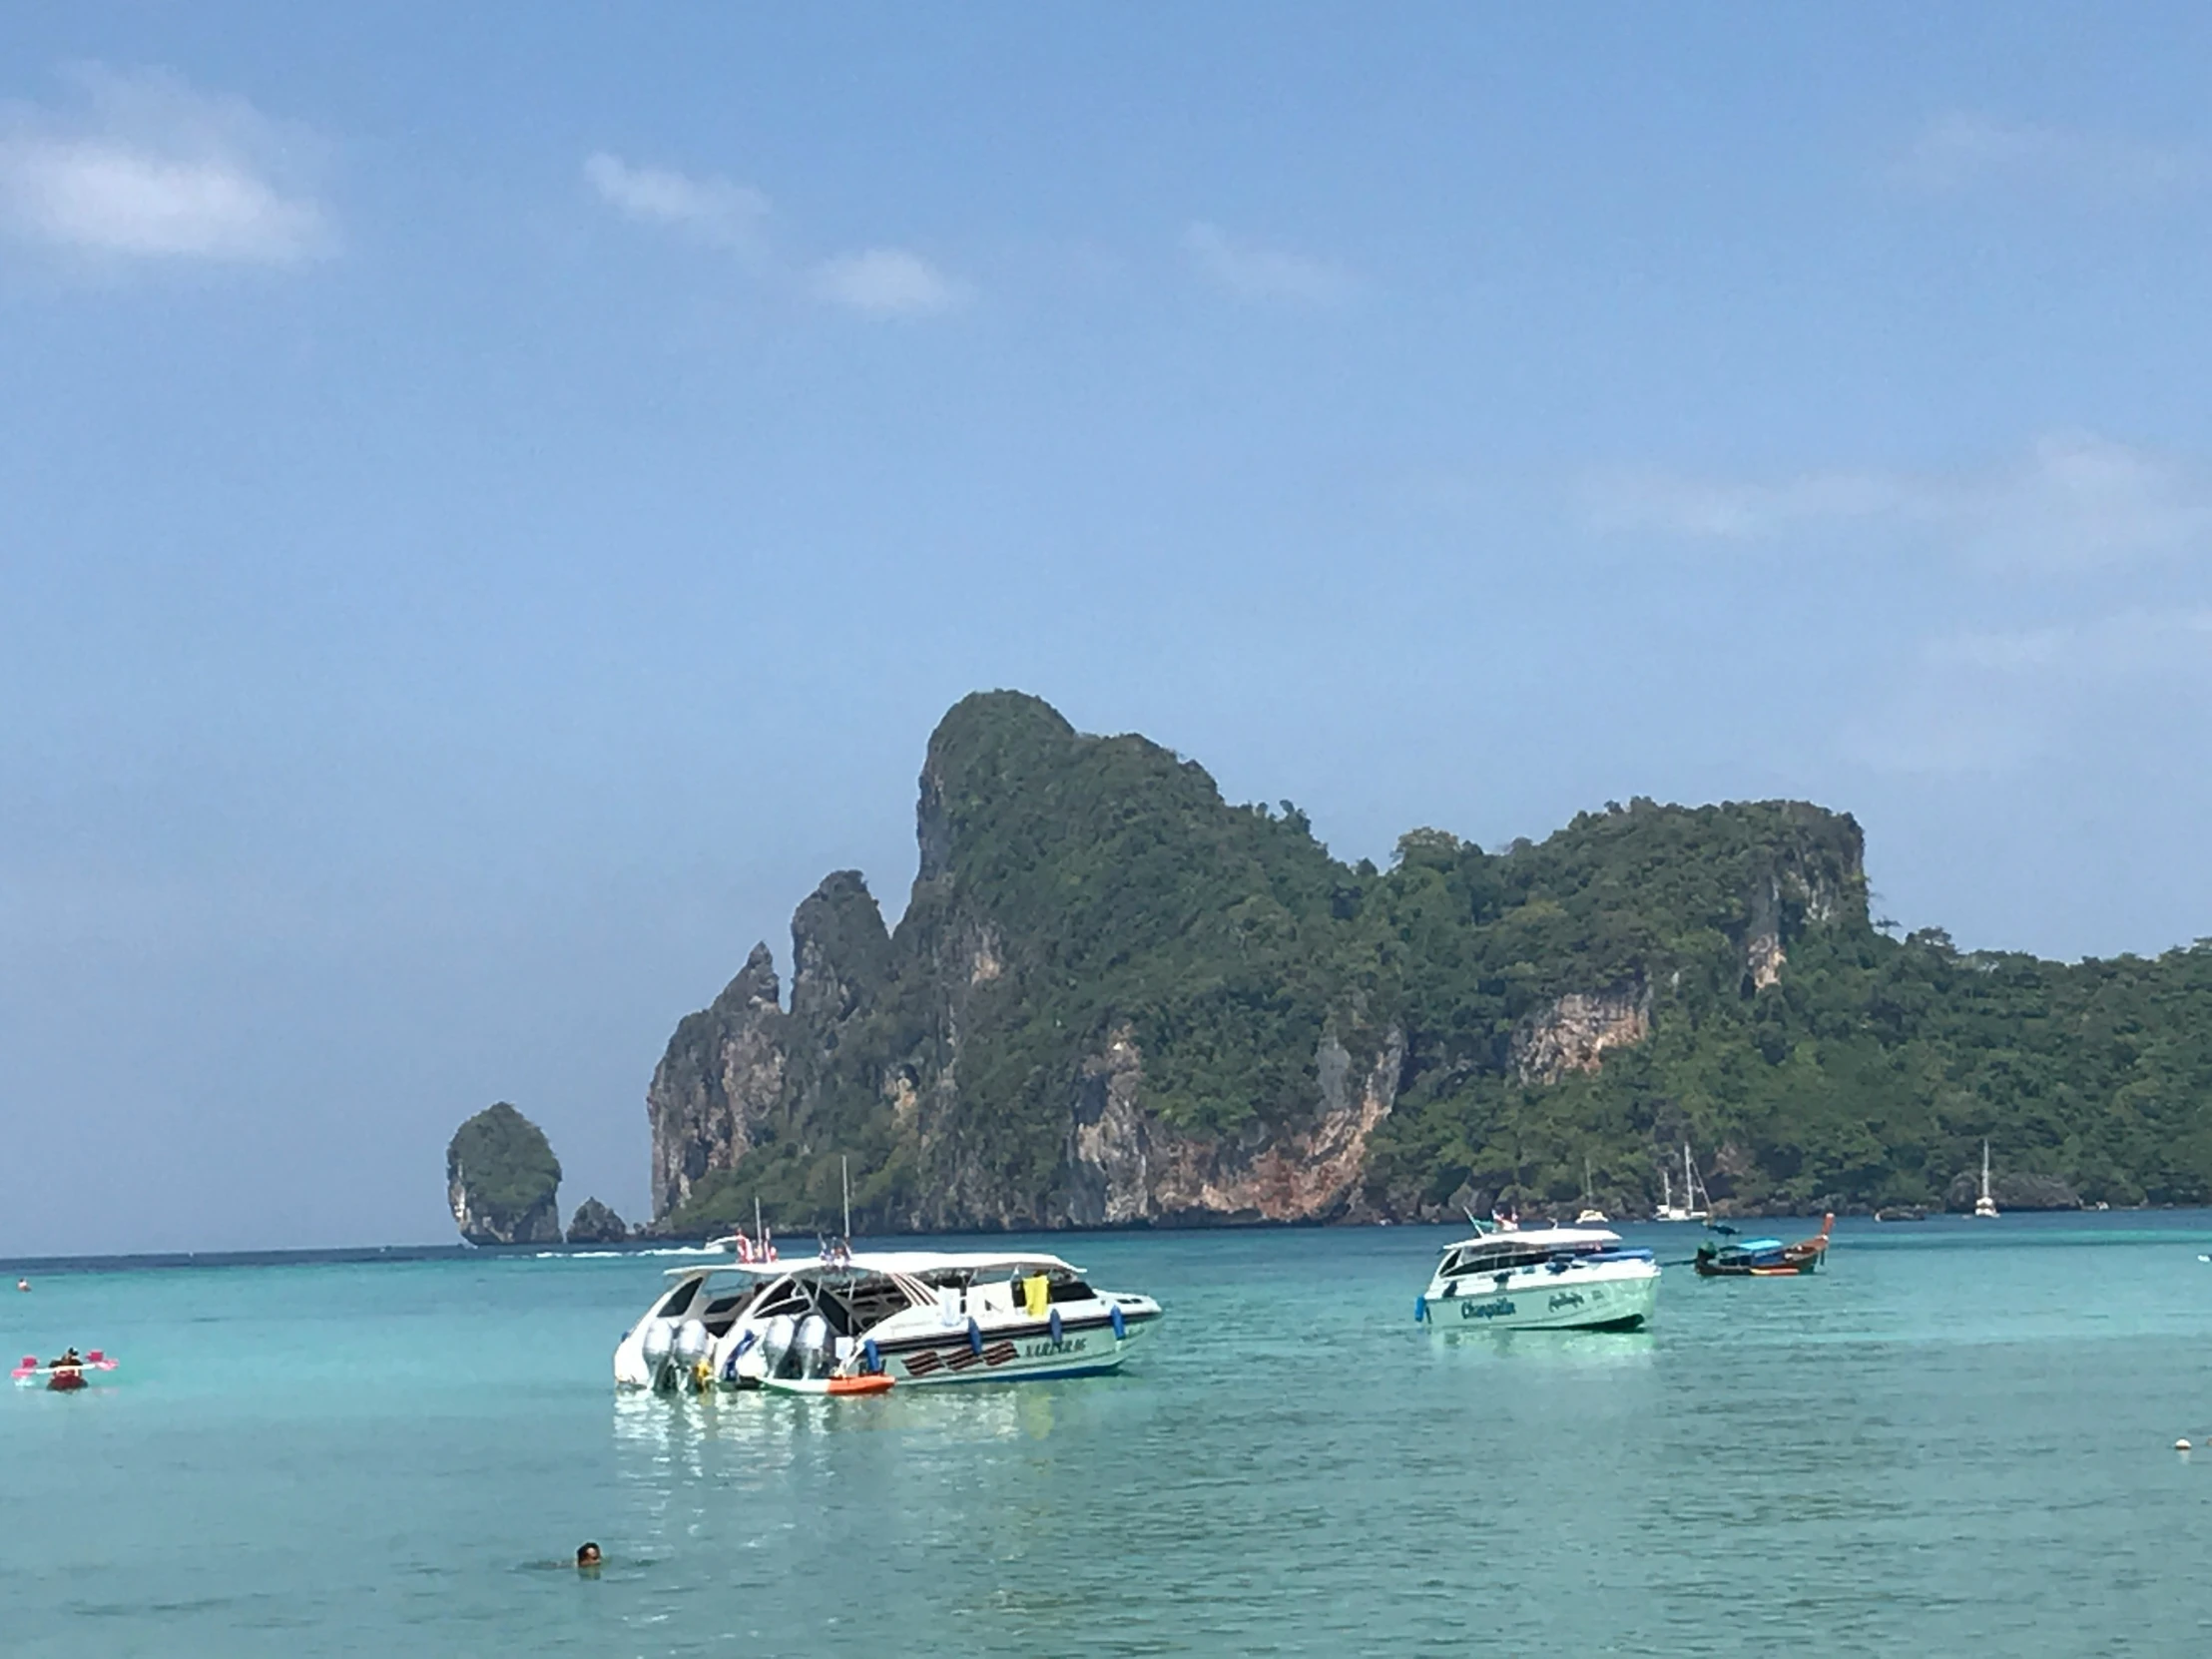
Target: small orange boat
(869, 1383)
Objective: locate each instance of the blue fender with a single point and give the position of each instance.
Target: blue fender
(1120, 1324)
(1421, 1309)
(1052, 1322)
(873, 1355)
(974, 1337)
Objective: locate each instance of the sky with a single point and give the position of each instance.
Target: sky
(492, 502)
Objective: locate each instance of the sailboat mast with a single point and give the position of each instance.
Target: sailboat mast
(845, 1174)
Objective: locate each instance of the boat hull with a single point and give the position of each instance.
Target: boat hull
(924, 1353)
(1011, 1354)
(1707, 1269)
(1620, 1295)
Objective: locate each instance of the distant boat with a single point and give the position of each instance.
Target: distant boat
(1985, 1206)
(1591, 1214)
(1690, 1209)
(1762, 1258)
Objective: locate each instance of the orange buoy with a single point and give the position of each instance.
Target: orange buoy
(860, 1384)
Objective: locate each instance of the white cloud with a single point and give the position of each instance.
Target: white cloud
(1725, 510)
(151, 170)
(1959, 152)
(1987, 701)
(875, 282)
(886, 282)
(1250, 270)
(2125, 645)
(2071, 501)
(716, 210)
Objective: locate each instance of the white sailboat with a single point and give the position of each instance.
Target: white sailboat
(1690, 1209)
(1591, 1215)
(1985, 1206)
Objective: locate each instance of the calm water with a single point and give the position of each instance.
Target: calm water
(1959, 1437)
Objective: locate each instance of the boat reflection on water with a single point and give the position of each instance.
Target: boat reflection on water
(776, 1427)
(1579, 1352)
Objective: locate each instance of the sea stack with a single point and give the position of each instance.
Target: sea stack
(595, 1223)
(502, 1180)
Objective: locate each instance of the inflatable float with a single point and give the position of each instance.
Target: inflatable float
(63, 1375)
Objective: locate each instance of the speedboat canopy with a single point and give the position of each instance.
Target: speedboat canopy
(908, 1264)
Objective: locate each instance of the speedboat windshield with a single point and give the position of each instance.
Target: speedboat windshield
(1505, 1252)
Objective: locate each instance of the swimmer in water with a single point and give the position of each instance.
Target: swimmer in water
(588, 1559)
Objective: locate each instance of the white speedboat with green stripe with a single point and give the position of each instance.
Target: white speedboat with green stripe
(1543, 1279)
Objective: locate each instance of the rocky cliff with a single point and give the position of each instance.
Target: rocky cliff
(502, 1180)
(1005, 1058)
(1114, 999)
(721, 1076)
(595, 1223)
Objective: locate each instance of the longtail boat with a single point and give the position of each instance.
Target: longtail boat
(1762, 1258)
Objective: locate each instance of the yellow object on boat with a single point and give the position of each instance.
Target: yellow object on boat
(1036, 1294)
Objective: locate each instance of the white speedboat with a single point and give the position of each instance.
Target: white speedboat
(908, 1317)
(1541, 1279)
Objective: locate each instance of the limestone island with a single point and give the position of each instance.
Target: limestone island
(502, 1180)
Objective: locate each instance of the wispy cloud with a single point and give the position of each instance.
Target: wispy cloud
(2126, 645)
(715, 209)
(146, 168)
(882, 283)
(2073, 501)
(886, 282)
(1732, 510)
(1987, 701)
(1961, 152)
(1253, 271)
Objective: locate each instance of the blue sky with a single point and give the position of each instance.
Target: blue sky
(491, 506)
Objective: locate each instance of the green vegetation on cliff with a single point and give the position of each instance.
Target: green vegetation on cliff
(1647, 975)
(502, 1179)
(1865, 1069)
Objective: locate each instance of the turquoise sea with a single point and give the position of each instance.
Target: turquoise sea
(1958, 1438)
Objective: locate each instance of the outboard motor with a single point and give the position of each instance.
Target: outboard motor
(814, 1347)
(690, 1347)
(745, 1363)
(658, 1342)
(776, 1343)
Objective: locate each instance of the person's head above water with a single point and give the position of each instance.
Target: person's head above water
(587, 1555)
